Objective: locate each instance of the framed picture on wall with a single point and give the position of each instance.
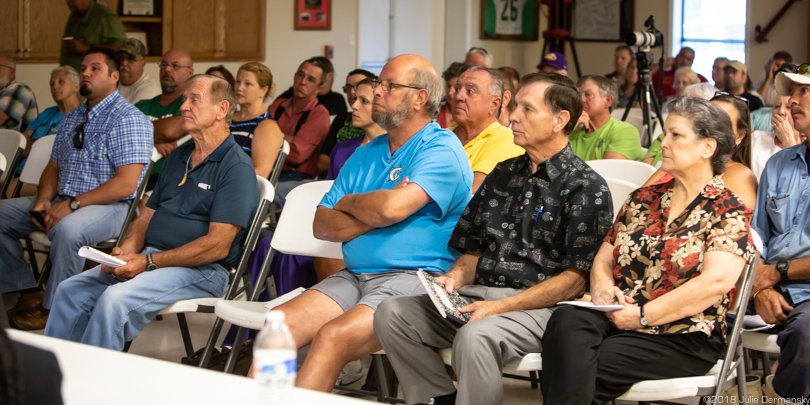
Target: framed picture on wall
(313, 15)
(602, 20)
(513, 20)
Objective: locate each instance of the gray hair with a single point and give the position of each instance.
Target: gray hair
(483, 52)
(605, 85)
(708, 121)
(495, 79)
(69, 71)
(703, 91)
(429, 80)
(220, 90)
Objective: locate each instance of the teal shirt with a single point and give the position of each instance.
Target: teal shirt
(615, 136)
(98, 26)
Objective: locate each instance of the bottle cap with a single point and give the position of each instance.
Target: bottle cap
(274, 316)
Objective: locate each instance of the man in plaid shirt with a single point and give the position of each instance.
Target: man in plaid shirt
(18, 106)
(99, 157)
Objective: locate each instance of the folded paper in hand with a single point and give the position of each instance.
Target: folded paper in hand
(591, 305)
(100, 257)
(446, 304)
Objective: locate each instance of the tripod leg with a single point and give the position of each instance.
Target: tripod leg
(574, 54)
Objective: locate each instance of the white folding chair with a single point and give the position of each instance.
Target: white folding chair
(238, 275)
(12, 145)
(762, 342)
(3, 163)
(531, 363)
(38, 158)
(630, 170)
(729, 368)
(279, 164)
(619, 190)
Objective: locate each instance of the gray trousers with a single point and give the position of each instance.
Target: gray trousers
(411, 330)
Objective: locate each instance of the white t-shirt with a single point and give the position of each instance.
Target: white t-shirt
(762, 148)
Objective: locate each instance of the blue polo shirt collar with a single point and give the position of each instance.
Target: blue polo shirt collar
(216, 156)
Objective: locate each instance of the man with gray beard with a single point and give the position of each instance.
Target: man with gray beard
(393, 206)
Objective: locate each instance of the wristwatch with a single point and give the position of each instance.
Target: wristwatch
(643, 319)
(150, 264)
(74, 204)
(782, 268)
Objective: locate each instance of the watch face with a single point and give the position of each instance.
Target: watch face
(74, 205)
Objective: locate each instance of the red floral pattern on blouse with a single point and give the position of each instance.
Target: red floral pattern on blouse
(652, 259)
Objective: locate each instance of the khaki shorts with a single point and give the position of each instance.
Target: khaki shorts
(369, 289)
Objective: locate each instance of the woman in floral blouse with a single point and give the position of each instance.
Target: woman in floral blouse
(673, 254)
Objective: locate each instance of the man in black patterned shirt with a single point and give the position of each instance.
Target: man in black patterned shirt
(528, 239)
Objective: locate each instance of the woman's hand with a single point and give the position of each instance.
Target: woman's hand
(627, 318)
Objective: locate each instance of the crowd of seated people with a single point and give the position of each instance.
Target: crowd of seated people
(482, 181)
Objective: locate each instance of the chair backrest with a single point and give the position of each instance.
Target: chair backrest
(12, 145)
(630, 170)
(619, 190)
(278, 166)
(133, 205)
(2, 164)
(293, 233)
(38, 158)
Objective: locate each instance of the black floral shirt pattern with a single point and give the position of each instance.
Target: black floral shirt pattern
(652, 259)
(528, 226)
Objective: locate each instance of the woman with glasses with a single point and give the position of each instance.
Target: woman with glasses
(259, 136)
(670, 260)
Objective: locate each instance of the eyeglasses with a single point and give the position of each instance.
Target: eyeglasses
(78, 136)
(348, 88)
(173, 66)
(387, 85)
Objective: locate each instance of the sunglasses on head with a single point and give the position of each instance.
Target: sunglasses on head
(723, 94)
(78, 136)
(802, 69)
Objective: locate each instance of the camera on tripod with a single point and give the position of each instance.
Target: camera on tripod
(651, 38)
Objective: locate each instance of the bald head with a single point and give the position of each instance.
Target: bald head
(175, 69)
(416, 71)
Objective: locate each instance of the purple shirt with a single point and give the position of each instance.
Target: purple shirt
(340, 154)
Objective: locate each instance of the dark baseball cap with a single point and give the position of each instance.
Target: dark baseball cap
(133, 48)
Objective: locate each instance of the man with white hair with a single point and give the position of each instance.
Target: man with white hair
(477, 56)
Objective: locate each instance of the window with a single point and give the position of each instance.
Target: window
(712, 28)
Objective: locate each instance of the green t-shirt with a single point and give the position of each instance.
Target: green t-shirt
(615, 136)
(155, 111)
(654, 151)
(99, 26)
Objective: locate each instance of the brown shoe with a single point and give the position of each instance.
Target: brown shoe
(28, 301)
(30, 319)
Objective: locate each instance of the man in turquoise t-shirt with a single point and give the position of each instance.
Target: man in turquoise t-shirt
(599, 135)
(393, 206)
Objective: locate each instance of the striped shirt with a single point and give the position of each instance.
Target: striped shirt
(116, 134)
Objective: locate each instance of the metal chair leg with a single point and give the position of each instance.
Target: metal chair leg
(187, 344)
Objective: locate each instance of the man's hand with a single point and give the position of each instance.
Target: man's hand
(772, 306)
(56, 213)
(627, 318)
(585, 121)
(482, 309)
(450, 284)
(784, 134)
(166, 148)
(136, 264)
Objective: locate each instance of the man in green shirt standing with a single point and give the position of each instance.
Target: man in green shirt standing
(598, 134)
(89, 24)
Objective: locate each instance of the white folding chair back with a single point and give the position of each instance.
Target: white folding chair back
(293, 234)
(726, 370)
(629, 170)
(12, 145)
(278, 166)
(619, 191)
(3, 164)
(38, 158)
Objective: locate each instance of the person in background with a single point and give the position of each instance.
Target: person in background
(333, 101)
(598, 135)
(18, 106)
(477, 56)
(718, 71)
(511, 82)
(781, 135)
(221, 72)
(259, 136)
(511, 75)
(685, 58)
(684, 77)
(622, 56)
(628, 88)
(761, 118)
(766, 88)
(739, 84)
(690, 238)
(135, 85)
(89, 24)
(553, 62)
(450, 75)
(341, 127)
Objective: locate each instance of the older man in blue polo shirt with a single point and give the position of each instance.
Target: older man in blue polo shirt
(393, 206)
(192, 228)
(100, 155)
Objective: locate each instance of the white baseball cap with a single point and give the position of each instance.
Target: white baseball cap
(785, 80)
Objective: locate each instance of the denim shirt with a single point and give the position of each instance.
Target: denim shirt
(782, 215)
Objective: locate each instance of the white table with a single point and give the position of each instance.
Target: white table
(92, 375)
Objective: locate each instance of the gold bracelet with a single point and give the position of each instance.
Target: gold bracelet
(753, 297)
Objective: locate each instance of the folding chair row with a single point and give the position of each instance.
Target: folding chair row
(12, 145)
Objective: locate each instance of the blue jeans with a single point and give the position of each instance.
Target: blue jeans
(86, 226)
(96, 309)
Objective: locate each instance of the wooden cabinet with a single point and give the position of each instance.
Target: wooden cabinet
(212, 30)
(219, 29)
(32, 29)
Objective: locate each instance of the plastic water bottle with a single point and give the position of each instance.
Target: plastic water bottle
(274, 359)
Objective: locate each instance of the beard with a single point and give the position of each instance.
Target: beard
(393, 118)
(85, 90)
(168, 85)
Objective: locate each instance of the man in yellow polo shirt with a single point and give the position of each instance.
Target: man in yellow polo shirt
(479, 94)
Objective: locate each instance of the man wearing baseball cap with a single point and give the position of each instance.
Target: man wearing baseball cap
(782, 218)
(737, 83)
(135, 85)
(553, 62)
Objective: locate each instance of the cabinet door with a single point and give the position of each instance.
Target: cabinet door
(193, 27)
(244, 29)
(46, 22)
(10, 21)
